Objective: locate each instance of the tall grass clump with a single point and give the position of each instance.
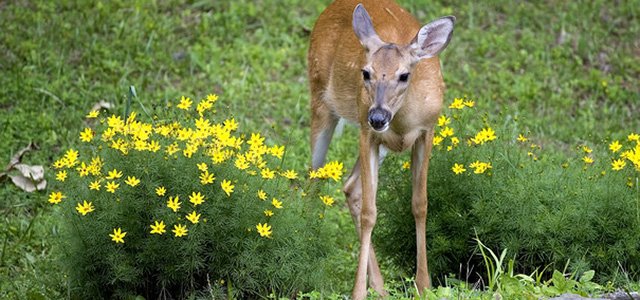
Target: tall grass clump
(580, 207)
(185, 204)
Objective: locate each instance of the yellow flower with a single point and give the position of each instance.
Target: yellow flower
(56, 197)
(457, 104)
(266, 173)
(95, 185)
(189, 150)
(206, 178)
(327, 200)
(172, 149)
(447, 131)
(276, 203)
(174, 203)
(132, 181)
(196, 198)
(203, 106)
(108, 134)
(227, 187)
(212, 98)
(193, 217)
(586, 149)
(332, 170)
(241, 162)
(264, 230)
(96, 166)
(522, 138)
(153, 146)
(185, 103)
(615, 146)
(87, 135)
(458, 168)
(83, 169)
(180, 230)
(262, 195)
(112, 186)
(485, 135)
(469, 103)
(71, 158)
(277, 151)
(85, 208)
(160, 191)
(118, 235)
(158, 228)
(437, 140)
(256, 140)
(114, 174)
(92, 114)
(406, 165)
(587, 160)
(230, 124)
(443, 121)
(59, 164)
(314, 174)
(61, 175)
(202, 166)
(268, 213)
(204, 126)
(290, 174)
(618, 164)
(455, 141)
(116, 123)
(480, 167)
(633, 137)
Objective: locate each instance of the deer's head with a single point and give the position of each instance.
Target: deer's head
(388, 67)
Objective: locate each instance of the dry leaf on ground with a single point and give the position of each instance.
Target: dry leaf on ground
(30, 178)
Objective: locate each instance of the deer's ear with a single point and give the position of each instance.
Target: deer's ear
(363, 28)
(433, 37)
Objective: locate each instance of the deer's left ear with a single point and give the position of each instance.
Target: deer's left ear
(433, 37)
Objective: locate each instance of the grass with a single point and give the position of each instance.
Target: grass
(566, 70)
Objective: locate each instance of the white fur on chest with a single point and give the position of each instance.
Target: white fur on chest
(395, 141)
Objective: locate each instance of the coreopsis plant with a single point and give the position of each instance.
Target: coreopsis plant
(499, 184)
(168, 205)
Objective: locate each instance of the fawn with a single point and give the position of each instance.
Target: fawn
(377, 67)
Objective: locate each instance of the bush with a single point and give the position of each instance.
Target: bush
(182, 206)
(581, 207)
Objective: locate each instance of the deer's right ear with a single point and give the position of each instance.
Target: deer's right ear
(433, 37)
(363, 28)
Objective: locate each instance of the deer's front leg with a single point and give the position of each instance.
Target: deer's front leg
(369, 178)
(353, 192)
(419, 168)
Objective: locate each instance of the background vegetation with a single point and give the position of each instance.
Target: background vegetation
(567, 71)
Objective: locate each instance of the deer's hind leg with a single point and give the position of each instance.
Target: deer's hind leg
(419, 169)
(323, 124)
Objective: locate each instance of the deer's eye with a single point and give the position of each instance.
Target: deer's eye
(403, 77)
(365, 75)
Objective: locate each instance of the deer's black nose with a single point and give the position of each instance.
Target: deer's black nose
(379, 119)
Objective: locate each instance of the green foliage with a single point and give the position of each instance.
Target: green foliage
(226, 249)
(546, 208)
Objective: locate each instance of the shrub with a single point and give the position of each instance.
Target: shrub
(182, 205)
(546, 208)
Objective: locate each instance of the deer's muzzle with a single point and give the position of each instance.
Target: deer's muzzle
(379, 119)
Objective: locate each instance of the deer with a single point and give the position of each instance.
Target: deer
(371, 63)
